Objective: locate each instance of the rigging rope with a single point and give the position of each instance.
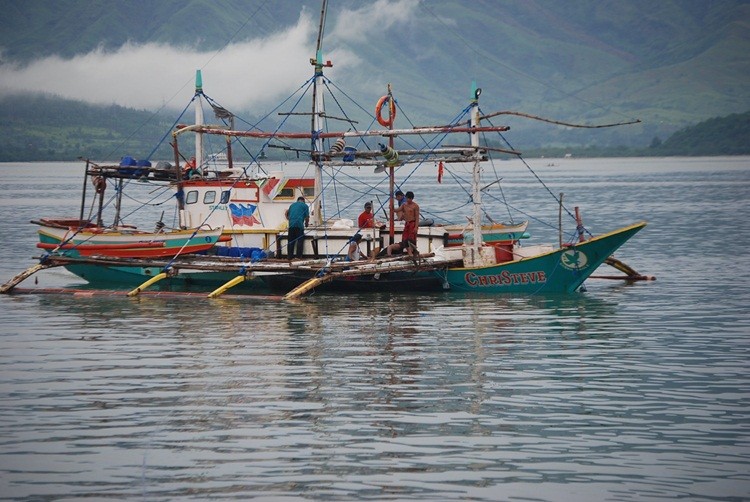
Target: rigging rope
(169, 131)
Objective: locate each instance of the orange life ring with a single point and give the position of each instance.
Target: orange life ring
(391, 111)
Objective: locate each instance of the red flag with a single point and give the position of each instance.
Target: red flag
(440, 172)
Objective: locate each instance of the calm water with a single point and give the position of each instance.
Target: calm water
(625, 392)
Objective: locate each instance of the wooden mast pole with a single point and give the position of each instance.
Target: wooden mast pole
(476, 178)
(318, 108)
(83, 193)
(198, 121)
(391, 175)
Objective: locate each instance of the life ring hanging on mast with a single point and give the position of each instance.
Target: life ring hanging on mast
(391, 111)
(100, 184)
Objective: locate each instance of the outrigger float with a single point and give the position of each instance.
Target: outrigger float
(230, 230)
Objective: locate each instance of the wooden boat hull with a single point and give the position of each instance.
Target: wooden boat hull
(128, 277)
(559, 271)
(391, 282)
(126, 243)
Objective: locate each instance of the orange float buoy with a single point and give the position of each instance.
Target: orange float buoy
(391, 111)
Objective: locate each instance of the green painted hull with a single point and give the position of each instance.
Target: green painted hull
(112, 277)
(560, 271)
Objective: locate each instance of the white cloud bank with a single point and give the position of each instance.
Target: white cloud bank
(242, 75)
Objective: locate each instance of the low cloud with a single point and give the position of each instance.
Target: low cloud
(244, 75)
(380, 16)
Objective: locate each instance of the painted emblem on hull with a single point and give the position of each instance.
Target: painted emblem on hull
(243, 214)
(572, 259)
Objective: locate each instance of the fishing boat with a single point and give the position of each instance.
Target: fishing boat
(231, 230)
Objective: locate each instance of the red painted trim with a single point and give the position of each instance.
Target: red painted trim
(100, 247)
(300, 182)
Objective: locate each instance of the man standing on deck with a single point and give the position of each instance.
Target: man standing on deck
(409, 212)
(299, 217)
(400, 198)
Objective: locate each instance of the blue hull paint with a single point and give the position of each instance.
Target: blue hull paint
(560, 271)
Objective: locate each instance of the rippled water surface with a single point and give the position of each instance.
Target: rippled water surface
(624, 392)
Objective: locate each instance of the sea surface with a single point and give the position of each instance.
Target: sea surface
(624, 392)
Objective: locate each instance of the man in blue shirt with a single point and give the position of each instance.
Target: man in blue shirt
(400, 198)
(299, 217)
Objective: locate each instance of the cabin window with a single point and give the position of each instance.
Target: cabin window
(224, 197)
(286, 193)
(191, 197)
(309, 192)
(209, 197)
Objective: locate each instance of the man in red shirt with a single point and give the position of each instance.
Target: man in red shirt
(367, 218)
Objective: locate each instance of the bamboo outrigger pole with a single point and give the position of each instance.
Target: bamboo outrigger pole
(630, 273)
(15, 281)
(307, 286)
(229, 284)
(148, 283)
(342, 134)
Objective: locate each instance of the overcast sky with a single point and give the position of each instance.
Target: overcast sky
(253, 73)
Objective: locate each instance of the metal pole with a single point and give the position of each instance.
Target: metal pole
(559, 220)
(83, 192)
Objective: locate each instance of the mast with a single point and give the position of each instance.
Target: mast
(118, 202)
(391, 178)
(476, 174)
(198, 128)
(198, 119)
(83, 192)
(318, 108)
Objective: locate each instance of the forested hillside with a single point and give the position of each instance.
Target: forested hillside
(728, 135)
(671, 64)
(42, 128)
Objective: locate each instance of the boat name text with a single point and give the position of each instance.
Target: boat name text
(505, 278)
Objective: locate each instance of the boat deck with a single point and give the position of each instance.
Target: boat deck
(422, 262)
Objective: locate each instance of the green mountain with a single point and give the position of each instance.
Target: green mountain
(41, 127)
(717, 136)
(670, 64)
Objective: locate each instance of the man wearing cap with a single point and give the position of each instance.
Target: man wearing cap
(367, 218)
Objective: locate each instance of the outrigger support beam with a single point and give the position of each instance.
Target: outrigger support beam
(8, 286)
(630, 273)
(148, 283)
(307, 286)
(230, 284)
